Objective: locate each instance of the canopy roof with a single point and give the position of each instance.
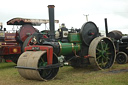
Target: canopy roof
(1, 24)
(34, 22)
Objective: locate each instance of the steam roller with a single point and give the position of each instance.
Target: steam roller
(80, 47)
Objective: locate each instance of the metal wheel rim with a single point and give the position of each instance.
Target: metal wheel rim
(103, 51)
(121, 58)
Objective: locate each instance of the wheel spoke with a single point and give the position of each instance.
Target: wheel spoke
(101, 45)
(44, 73)
(106, 47)
(98, 50)
(99, 57)
(102, 53)
(108, 53)
(42, 59)
(103, 63)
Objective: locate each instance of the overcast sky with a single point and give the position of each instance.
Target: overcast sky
(70, 12)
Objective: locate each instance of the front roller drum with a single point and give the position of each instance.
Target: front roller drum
(103, 53)
(36, 59)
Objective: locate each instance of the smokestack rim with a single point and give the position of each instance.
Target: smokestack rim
(51, 6)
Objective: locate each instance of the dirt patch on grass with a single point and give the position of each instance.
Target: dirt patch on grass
(118, 71)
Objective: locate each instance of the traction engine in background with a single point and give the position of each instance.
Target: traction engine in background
(11, 42)
(121, 42)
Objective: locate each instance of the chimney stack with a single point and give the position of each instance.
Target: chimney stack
(51, 21)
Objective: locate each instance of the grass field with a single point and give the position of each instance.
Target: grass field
(117, 75)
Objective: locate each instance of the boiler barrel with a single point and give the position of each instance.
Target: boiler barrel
(68, 48)
(115, 34)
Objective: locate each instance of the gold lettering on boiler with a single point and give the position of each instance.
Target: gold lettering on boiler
(10, 36)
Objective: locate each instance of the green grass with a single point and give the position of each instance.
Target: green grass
(68, 76)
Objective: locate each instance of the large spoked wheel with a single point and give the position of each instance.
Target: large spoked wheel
(102, 50)
(38, 59)
(121, 58)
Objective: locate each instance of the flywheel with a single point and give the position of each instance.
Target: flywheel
(25, 31)
(103, 53)
(88, 32)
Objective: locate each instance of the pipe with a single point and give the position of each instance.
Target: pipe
(51, 21)
(106, 27)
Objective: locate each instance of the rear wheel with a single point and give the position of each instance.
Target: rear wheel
(121, 58)
(102, 50)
